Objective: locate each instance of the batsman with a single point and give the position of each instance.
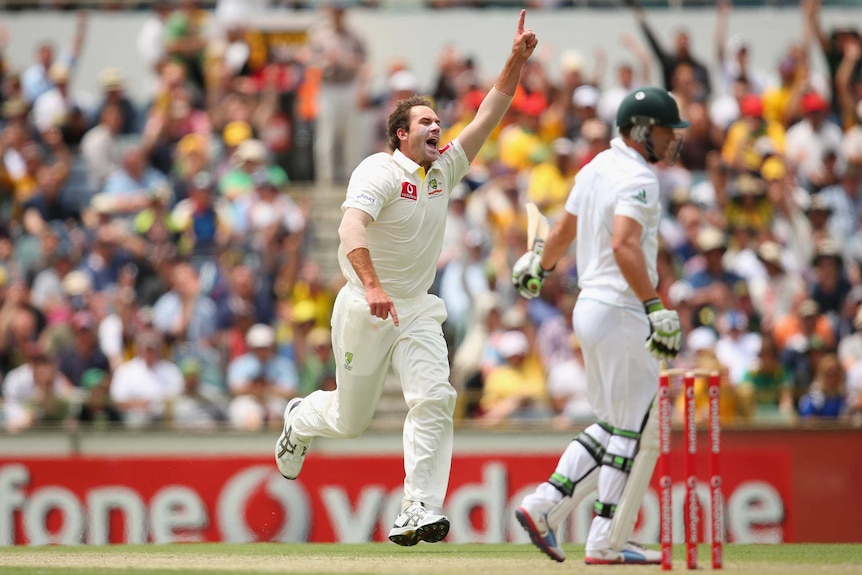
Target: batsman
(613, 212)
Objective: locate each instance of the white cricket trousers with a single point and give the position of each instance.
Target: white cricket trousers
(622, 380)
(365, 347)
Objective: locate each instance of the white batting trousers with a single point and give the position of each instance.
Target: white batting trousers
(622, 380)
(365, 347)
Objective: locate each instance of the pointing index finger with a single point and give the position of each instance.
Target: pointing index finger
(521, 19)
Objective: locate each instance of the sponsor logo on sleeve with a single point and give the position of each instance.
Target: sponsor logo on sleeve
(444, 148)
(640, 196)
(363, 198)
(408, 191)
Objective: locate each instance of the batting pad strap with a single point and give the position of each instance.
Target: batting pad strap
(592, 445)
(636, 435)
(563, 484)
(620, 462)
(606, 426)
(605, 510)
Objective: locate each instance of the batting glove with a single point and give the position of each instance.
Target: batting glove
(665, 336)
(528, 275)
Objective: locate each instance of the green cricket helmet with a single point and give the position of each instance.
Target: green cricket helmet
(649, 107)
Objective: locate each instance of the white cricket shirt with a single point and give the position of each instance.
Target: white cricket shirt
(617, 182)
(409, 211)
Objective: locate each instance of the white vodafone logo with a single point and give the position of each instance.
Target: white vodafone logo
(234, 500)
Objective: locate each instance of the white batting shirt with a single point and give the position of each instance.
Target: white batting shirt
(618, 181)
(409, 210)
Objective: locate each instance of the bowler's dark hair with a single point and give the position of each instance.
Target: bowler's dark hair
(400, 118)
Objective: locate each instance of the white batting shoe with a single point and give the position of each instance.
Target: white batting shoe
(533, 517)
(416, 524)
(290, 450)
(631, 554)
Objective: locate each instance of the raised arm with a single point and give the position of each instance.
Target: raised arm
(721, 12)
(642, 57)
(811, 10)
(497, 101)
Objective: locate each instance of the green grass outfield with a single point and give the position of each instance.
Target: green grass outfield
(388, 559)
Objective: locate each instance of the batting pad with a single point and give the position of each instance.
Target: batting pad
(566, 505)
(638, 480)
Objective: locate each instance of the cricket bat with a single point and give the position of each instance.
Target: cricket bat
(537, 228)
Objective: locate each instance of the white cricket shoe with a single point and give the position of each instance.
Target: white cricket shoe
(533, 517)
(631, 554)
(290, 450)
(416, 524)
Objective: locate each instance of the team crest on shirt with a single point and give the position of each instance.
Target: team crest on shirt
(408, 191)
(348, 359)
(433, 190)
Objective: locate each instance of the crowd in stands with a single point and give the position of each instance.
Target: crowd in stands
(156, 264)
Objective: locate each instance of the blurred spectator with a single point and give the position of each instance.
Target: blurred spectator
(809, 139)
(198, 407)
(184, 39)
(316, 363)
(627, 80)
(781, 102)
(833, 45)
(567, 388)
(143, 387)
(801, 359)
(184, 313)
(130, 188)
(551, 181)
(670, 61)
(113, 83)
(36, 80)
(97, 409)
(702, 138)
(237, 184)
(57, 108)
(100, 146)
(278, 372)
(752, 138)
(776, 294)
(594, 139)
(748, 208)
(732, 54)
(48, 199)
(340, 54)
(257, 407)
(515, 389)
(150, 44)
(464, 281)
(827, 396)
(830, 285)
(20, 324)
(766, 389)
(713, 284)
(36, 392)
(795, 330)
(844, 198)
(245, 296)
(84, 352)
(270, 210)
(728, 407)
(203, 223)
(737, 348)
(520, 146)
(118, 329)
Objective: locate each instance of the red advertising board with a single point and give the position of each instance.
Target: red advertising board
(768, 482)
